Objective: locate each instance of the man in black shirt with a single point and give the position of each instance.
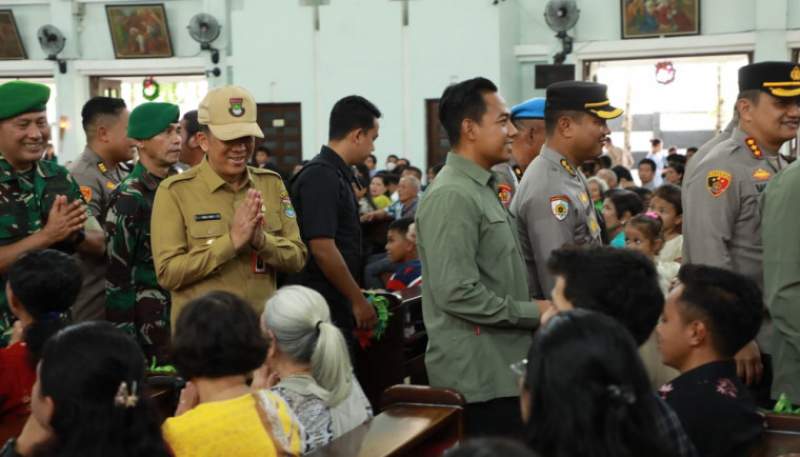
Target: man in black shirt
(327, 211)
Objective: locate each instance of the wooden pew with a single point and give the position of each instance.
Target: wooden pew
(781, 437)
(417, 421)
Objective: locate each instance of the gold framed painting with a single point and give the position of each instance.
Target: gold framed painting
(10, 42)
(139, 31)
(660, 18)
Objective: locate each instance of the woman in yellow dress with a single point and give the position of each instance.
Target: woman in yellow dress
(217, 344)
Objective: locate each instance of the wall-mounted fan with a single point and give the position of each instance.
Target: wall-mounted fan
(204, 29)
(52, 42)
(562, 15)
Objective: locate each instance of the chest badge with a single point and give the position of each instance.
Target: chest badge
(102, 167)
(717, 182)
(761, 174)
(504, 194)
(559, 205)
(584, 198)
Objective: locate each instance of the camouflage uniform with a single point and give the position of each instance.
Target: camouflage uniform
(134, 300)
(25, 201)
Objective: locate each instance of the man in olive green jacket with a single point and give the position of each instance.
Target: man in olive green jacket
(475, 300)
(780, 224)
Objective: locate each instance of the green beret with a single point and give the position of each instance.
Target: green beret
(20, 97)
(150, 119)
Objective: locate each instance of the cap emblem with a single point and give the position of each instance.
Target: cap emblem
(795, 74)
(237, 107)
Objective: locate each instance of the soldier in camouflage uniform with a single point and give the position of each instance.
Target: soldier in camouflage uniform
(40, 204)
(134, 300)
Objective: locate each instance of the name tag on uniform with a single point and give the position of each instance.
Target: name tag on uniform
(207, 217)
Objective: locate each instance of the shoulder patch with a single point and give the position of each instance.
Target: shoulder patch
(86, 191)
(559, 205)
(286, 205)
(717, 182)
(753, 145)
(504, 193)
(761, 174)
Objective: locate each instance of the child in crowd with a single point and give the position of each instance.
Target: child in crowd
(708, 317)
(619, 206)
(40, 286)
(643, 233)
(401, 248)
(666, 202)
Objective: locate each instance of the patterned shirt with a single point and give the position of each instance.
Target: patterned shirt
(25, 202)
(716, 409)
(134, 300)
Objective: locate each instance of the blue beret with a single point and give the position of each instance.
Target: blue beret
(530, 109)
(20, 97)
(150, 119)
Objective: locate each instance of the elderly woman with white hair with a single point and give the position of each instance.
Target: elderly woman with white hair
(308, 365)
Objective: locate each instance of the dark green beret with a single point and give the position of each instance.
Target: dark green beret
(20, 97)
(150, 119)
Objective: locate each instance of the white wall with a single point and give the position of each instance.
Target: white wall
(271, 47)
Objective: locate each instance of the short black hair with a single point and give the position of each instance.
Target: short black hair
(191, 124)
(655, 141)
(672, 195)
(351, 113)
(622, 173)
(218, 335)
(678, 167)
(676, 158)
(391, 156)
(372, 156)
(730, 303)
(390, 178)
(551, 118)
(644, 195)
(625, 201)
(415, 170)
(649, 162)
(100, 106)
(45, 281)
(463, 101)
(604, 161)
(401, 225)
(263, 147)
(620, 283)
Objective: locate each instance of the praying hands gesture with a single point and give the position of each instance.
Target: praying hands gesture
(247, 222)
(64, 219)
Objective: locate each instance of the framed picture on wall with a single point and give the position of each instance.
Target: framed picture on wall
(658, 18)
(139, 31)
(10, 42)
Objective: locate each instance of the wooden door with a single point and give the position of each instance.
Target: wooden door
(438, 144)
(283, 134)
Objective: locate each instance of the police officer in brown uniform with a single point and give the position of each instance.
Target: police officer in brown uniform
(222, 225)
(98, 171)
